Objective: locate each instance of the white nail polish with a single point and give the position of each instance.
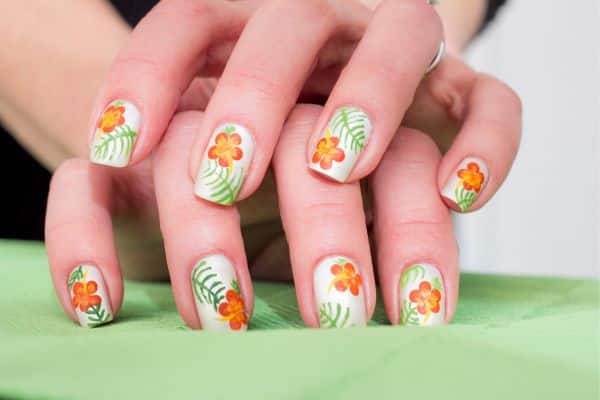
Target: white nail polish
(89, 297)
(422, 296)
(341, 143)
(115, 134)
(217, 295)
(224, 164)
(466, 183)
(339, 293)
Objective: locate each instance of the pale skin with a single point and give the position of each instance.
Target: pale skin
(49, 111)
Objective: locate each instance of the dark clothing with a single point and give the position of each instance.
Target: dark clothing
(25, 181)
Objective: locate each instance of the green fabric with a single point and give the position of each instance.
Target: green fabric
(523, 338)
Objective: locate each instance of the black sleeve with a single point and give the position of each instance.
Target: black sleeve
(133, 11)
(492, 8)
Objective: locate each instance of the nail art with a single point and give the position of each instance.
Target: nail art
(217, 295)
(422, 300)
(224, 164)
(89, 297)
(116, 132)
(341, 143)
(466, 183)
(339, 293)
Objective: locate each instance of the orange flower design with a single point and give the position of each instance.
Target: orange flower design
(327, 151)
(225, 149)
(427, 299)
(233, 311)
(112, 117)
(471, 178)
(83, 295)
(345, 277)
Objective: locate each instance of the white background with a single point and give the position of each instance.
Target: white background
(545, 220)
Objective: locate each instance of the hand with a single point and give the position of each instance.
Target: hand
(326, 230)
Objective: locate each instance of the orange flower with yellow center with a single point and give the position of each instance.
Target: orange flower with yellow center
(471, 177)
(427, 299)
(112, 117)
(226, 149)
(345, 277)
(233, 311)
(83, 295)
(327, 151)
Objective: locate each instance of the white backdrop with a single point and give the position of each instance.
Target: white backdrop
(545, 220)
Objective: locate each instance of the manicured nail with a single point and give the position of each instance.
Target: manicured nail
(341, 143)
(224, 164)
(466, 183)
(116, 132)
(89, 297)
(339, 293)
(422, 300)
(217, 295)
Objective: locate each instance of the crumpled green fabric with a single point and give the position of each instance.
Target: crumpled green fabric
(512, 338)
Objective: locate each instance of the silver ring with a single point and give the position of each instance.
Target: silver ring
(438, 57)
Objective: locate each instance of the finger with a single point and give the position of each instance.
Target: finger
(416, 249)
(144, 85)
(376, 88)
(258, 88)
(203, 242)
(484, 150)
(79, 242)
(326, 231)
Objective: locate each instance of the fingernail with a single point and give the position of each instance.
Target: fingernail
(217, 295)
(115, 134)
(226, 160)
(339, 293)
(466, 183)
(422, 299)
(89, 297)
(341, 143)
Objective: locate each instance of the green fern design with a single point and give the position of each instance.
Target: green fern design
(75, 276)
(236, 287)
(119, 143)
(224, 188)
(333, 317)
(437, 284)
(350, 125)
(408, 315)
(411, 274)
(208, 289)
(464, 198)
(97, 315)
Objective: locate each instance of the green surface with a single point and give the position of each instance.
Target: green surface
(512, 338)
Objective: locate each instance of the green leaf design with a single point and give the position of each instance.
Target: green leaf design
(229, 129)
(97, 315)
(75, 276)
(411, 274)
(116, 144)
(464, 198)
(350, 125)
(224, 188)
(436, 284)
(408, 314)
(207, 287)
(236, 286)
(333, 317)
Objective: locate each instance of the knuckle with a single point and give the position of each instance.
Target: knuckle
(143, 65)
(315, 213)
(255, 80)
(67, 171)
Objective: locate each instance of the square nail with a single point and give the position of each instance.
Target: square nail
(224, 165)
(422, 296)
(115, 134)
(89, 297)
(341, 143)
(339, 293)
(218, 296)
(466, 183)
